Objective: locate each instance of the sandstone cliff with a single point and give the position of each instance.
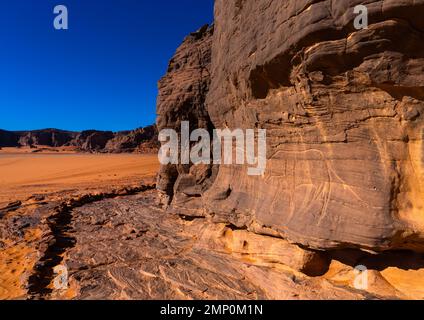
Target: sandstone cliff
(182, 95)
(344, 113)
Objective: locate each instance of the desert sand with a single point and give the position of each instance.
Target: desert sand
(25, 174)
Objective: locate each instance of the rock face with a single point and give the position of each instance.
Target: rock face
(344, 113)
(142, 140)
(182, 94)
(92, 140)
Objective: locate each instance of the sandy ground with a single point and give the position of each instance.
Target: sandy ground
(25, 174)
(38, 149)
(17, 260)
(53, 173)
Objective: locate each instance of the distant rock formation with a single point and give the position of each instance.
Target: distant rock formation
(344, 113)
(142, 140)
(46, 137)
(92, 140)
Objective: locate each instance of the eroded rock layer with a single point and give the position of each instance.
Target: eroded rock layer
(120, 244)
(344, 113)
(162, 256)
(182, 95)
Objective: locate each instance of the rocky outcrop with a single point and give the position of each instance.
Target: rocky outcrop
(47, 137)
(174, 260)
(344, 113)
(182, 94)
(141, 140)
(92, 140)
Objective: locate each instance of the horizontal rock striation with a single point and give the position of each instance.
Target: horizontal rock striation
(344, 113)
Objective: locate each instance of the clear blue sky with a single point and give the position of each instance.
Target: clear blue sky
(100, 74)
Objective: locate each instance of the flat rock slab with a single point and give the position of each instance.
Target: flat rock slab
(130, 248)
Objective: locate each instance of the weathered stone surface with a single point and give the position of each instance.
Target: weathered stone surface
(161, 256)
(120, 244)
(260, 249)
(343, 109)
(182, 94)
